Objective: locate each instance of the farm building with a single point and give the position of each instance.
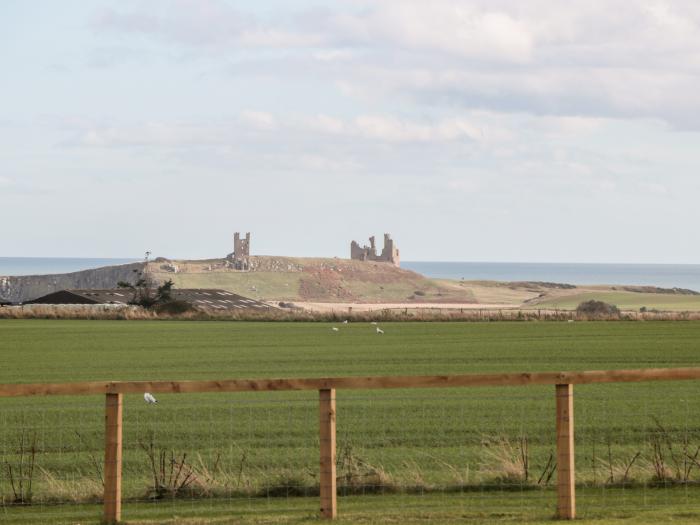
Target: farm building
(202, 298)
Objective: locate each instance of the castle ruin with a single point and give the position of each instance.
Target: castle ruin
(241, 252)
(390, 253)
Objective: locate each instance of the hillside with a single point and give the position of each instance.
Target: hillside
(329, 283)
(26, 287)
(312, 279)
(626, 298)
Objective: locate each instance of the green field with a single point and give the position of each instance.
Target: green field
(438, 443)
(627, 301)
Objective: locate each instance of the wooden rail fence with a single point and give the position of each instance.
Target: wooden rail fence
(564, 395)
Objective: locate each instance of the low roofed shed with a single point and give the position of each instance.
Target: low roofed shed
(202, 298)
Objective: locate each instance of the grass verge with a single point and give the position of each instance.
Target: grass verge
(612, 506)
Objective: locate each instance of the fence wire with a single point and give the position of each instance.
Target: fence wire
(476, 452)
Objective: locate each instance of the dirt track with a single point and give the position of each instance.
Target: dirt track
(369, 307)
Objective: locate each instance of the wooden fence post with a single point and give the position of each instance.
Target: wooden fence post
(329, 503)
(113, 459)
(566, 474)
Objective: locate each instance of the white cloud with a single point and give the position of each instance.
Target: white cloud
(449, 27)
(655, 188)
(333, 55)
(148, 134)
(325, 124)
(201, 23)
(576, 58)
(20, 186)
(392, 129)
(277, 39)
(260, 120)
(315, 162)
(377, 128)
(465, 185)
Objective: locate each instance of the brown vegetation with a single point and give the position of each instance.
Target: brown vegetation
(291, 314)
(597, 309)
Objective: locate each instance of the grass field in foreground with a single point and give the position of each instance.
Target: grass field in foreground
(677, 506)
(421, 440)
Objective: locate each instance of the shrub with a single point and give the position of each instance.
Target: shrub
(174, 307)
(21, 473)
(597, 309)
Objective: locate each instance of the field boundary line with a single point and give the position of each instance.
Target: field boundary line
(349, 383)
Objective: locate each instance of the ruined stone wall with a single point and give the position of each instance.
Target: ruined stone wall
(390, 253)
(358, 253)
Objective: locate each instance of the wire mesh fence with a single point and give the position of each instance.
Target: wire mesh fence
(637, 447)
(478, 452)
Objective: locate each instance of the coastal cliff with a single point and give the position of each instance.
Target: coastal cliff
(26, 287)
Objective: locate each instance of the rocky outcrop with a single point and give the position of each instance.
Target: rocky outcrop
(26, 287)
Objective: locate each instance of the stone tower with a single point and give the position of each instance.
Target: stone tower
(241, 251)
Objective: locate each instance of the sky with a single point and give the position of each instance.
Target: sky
(488, 130)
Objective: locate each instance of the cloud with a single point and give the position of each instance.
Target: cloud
(315, 162)
(392, 129)
(14, 187)
(454, 28)
(375, 128)
(654, 188)
(260, 120)
(200, 23)
(147, 134)
(574, 59)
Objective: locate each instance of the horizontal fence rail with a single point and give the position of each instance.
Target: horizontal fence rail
(564, 414)
(349, 383)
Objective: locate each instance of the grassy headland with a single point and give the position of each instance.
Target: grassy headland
(344, 282)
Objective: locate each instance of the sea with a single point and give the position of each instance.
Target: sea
(48, 265)
(662, 275)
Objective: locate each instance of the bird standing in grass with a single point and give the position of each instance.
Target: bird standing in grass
(380, 331)
(148, 398)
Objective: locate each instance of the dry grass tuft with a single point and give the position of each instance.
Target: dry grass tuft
(357, 476)
(81, 489)
(505, 462)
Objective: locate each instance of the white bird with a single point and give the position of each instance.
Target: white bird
(148, 398)
(335, 329)
(380, 331)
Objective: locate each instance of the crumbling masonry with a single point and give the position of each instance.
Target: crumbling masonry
(241, 252)
(390, 253)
